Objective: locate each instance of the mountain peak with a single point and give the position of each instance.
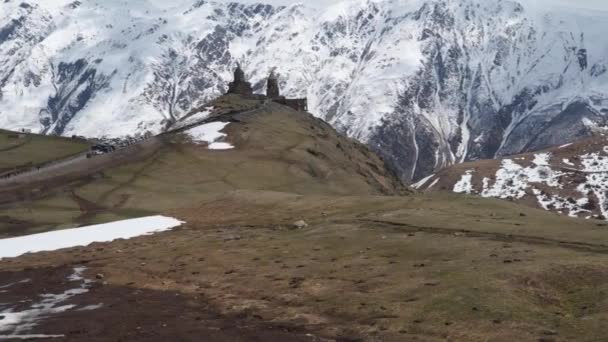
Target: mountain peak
(426, 83)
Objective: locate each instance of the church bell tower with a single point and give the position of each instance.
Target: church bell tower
(272, 90)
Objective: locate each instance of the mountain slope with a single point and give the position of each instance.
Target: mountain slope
(19, 150)
(571, 179)
(233, 144)
(287, 235)
(425, 83)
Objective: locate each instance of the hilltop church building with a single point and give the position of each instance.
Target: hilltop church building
(240, 86)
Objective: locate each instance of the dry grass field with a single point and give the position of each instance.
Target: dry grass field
(24, 150)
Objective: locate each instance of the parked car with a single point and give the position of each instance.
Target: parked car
(102, 148)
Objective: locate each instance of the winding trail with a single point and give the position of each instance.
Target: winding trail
(80, 166)
(505, 237)
(59, 164)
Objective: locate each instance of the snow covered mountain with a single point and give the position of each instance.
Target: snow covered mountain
(426, 83)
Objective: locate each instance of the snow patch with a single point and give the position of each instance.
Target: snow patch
(77, 275)
(434, 183)
(15, 323)
(24, 281)
(55, 240)
(29, 337)
(542, 159)
(91, 307)
(465, 185)
(419, 184)
(594, 162)
(210, 134)
(194, 119)
(596, 167)
(568, 206)
(514, 181)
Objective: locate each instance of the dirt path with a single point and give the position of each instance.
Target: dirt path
(38, 172)
(531, 240)
(76, 168)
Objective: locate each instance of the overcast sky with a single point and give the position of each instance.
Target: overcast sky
(589, 4)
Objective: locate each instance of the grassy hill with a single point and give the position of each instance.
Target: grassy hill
(277, 149)
(18, 150)
(377, 262)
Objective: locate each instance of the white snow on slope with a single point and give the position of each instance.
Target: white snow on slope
(198, 117)
(16, 323)
(568, 162)
(220, 146)
(423, 181)
(30, 337)
(3, 287)
(210, 134)
(573, 208)
(542, 159)
(514, 181)
(596, 167)
(434, 183)
(55, 240)
(465, 185)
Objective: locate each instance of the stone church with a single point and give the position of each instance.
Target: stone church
(240, 86)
